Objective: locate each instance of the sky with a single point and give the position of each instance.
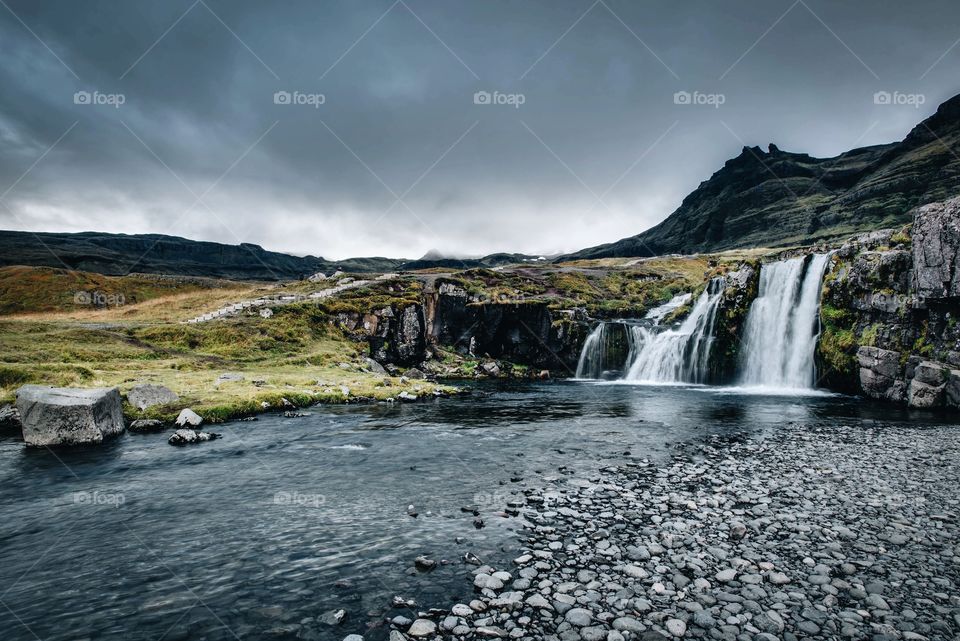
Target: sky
(395, 127)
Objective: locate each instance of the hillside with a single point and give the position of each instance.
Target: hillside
(122, 254)
(777, 198)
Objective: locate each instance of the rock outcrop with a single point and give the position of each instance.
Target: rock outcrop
(148, 395)
(528, 333)
(936, 250)
(69, 416)
(890, 307)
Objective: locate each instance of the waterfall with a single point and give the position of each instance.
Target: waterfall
(657, 314)
(679, 355)
(608, 349)
(780, 334)
(590, 364)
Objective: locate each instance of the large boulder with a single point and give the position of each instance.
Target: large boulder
(148, 395)
(925, 396)
(69, 416)
(881, 375)
(936, 249)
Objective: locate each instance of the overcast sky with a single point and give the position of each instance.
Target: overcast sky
(399, 159)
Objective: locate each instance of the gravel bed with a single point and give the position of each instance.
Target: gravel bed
(812, 532)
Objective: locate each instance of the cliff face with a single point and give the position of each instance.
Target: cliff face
(526, 333)
(776, 198)
(890, 309)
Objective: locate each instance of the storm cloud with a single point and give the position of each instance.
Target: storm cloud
(344, 128)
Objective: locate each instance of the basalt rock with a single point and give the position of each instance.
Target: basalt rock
(936, 250)
(881, 375)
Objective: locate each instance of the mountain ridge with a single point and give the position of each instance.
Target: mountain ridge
(777, 198)
(121, 254)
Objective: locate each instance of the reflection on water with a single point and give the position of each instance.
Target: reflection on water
(259, 533)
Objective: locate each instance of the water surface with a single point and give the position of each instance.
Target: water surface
(259, 534)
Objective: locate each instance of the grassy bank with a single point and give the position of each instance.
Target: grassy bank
(296, 357)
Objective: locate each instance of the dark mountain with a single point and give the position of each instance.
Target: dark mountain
(434, 259)
(775, 198)
(122, 254)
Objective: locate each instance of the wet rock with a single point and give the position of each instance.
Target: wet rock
(422, 628)
(191, 437)
(9, 418)
(69, 416)
(333, 617)
(146, 425)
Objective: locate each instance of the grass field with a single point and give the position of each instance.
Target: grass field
(296, 354)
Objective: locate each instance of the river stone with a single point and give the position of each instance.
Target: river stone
(579, 617)
(191, 437)
(422, 628)
(188, 417)
(69, 416)
(676, 627)
(148, 395)
(146, 425)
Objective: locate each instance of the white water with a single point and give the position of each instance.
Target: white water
(678, 355)
(593, 361)
(657, 314)
(780, 334)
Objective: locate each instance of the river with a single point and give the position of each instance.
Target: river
(261, 533)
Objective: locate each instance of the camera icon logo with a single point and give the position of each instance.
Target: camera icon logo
(482, 98)
(81, 98)
(82, 298)
(682, 98)
(281, 98)
(882, 98)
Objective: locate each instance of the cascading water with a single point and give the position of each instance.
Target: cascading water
(657, 314)
(780, 334)
(679, 355)
(609, 348)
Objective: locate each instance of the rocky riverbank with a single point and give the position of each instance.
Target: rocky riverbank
(812, 532)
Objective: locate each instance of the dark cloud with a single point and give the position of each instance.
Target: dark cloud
(398, 159)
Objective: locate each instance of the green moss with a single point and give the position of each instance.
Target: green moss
(922, 345)
(869, 335)
(837, 347)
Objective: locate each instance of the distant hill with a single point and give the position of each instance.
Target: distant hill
(121, 254)
(775, 198)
